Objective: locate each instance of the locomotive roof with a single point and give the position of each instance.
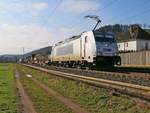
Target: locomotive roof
(68, 40)
(78, 36)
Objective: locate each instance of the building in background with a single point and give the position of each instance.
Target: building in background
(134, 39)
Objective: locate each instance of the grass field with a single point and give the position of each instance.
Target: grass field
(96, 100)
(8, 94)
(9, 98)
(43, 103)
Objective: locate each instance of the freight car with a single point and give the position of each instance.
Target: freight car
(90, 49)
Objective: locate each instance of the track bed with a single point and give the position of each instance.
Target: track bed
(137, 78)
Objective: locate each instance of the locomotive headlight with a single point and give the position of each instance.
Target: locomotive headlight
(99, 53)
(116, 53)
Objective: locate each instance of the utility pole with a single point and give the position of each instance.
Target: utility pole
(23, 51)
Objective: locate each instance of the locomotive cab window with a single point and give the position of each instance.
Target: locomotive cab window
(127, 44)
(102, 38)
(86, 39)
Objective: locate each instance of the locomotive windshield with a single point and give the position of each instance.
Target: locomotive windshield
(103, 37)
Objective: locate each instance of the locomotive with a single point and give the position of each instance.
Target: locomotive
(90, 49)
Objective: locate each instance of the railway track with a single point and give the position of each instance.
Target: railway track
(135, 90)
(128, 77)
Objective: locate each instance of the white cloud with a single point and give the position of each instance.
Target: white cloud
(34, 13)
(62, 33)
(14, 37)
(40, 6)
(31, 37)
(23, 7)
(78, 6)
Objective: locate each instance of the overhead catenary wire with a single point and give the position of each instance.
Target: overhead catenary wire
(52, 12)
(56, 7)
(132, 16)
(111, 3)
(108, 5)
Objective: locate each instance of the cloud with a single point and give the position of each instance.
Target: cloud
(78, 6)
(14, 37)
(40, 6)
(31, 37)
(32, 8)
(62, 33)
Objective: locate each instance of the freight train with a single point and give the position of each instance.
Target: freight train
(90, 49)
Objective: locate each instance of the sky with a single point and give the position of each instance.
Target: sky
(33, 24)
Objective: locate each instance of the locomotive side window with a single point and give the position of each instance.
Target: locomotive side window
(85, 39)
(65, 50)
(146, 45)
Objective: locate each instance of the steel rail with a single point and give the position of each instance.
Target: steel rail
(139, 91)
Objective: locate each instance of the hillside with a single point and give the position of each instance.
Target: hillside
(117, 28)
(15, 58)
(10, 58)
(147, 30)
(123, 31)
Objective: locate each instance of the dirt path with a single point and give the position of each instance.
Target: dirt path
(27, 106)
(74, 107)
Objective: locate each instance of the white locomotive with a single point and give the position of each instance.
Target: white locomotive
(92, 48)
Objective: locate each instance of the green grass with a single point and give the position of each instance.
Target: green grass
(42, 102)
(8, 94)
(96, 100)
